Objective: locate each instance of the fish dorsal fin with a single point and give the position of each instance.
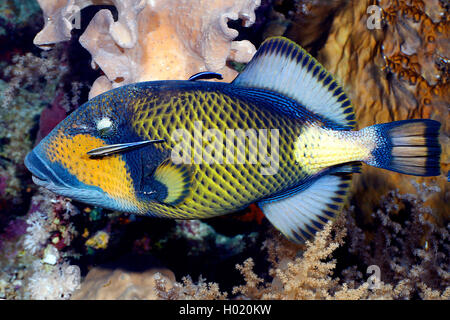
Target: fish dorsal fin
(301, 215)
(283, 66)
(177, 180)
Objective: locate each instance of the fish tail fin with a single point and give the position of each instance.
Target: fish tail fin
(409, 146)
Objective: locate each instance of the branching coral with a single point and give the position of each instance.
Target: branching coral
(293, 277)
(27, 70)
(188, 290)
(33, 257)
(154, 40)
(49, 282)
(307, 277)
(409, 268)
(37, 235)
(48, 222)
(412, 256)
(406, 243)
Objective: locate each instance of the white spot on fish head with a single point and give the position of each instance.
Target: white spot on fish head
(104, 123)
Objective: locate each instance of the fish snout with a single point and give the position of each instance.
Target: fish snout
(41, 175)
(44, 173)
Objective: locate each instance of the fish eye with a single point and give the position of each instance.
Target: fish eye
(105, 127)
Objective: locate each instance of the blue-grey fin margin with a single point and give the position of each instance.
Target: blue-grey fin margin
(283, 66)
(301, 215)
(177, 178)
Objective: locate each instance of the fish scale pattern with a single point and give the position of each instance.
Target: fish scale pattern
(220, 187)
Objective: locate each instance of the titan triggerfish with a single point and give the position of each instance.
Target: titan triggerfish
(281, 135)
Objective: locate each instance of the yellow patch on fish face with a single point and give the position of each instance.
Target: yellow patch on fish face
(318, 148)
(108, 173)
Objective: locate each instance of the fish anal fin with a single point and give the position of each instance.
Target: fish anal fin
(301, 215)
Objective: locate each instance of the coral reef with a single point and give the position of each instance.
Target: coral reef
(187, 290)
(397, 72)
(37, 90)
(308, 277)
(99, 240)
(15, 16)
(412, 255)
(32, 83)
(393, 68)
(59, 17)
(53, 282)
(407, 233)
(49, 221)
(149, 41)
(202, 238)
(112, 284)
(312, 21)
(35, 248)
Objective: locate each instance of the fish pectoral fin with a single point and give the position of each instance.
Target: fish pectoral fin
(206, 75)
(300, 215)
(177, 180)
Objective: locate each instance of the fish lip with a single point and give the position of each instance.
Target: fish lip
(42, 175)
(40, 182)
(37, 174)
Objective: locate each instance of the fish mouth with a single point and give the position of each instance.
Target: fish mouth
(42, 173)
(45, 176)
(38, 169)
(40, 182)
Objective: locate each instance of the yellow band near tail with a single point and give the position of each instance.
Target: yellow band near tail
(319, 148)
